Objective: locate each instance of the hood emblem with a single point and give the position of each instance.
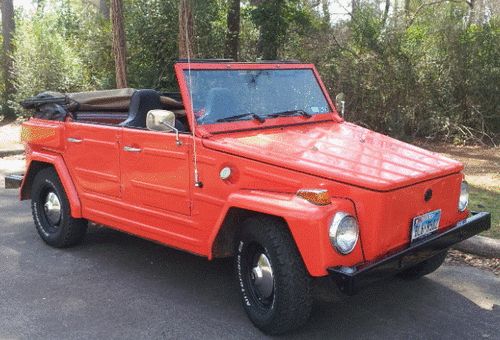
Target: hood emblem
(428, 195)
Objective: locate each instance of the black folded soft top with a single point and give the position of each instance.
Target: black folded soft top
(56, 105)
(106, 100)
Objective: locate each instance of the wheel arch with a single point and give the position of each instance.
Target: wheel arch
(224, 243)
(304, 221)
(38, 162)
(33, 169)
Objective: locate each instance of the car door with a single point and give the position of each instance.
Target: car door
(155, 170)
(93, 157)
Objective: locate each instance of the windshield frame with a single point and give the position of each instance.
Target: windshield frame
(215, 128)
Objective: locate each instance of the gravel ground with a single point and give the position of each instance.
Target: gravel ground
(9, 165)
(10, 136)
(456, 257)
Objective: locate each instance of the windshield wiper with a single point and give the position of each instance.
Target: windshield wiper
(290, 113)
(244, 115)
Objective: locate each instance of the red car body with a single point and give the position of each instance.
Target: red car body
(150, 194)
(380, 181)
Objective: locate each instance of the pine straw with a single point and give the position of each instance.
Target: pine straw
(456, 257)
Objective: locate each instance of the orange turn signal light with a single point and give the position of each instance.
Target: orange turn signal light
(315, 196)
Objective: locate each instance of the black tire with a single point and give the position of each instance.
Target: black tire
(289, 305)
(66, 231)
(424, 268)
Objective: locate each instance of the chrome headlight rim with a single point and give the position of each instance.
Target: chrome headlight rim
(463, 198)
(339, 218)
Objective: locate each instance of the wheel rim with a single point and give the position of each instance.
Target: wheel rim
(52, 208)
(260, 276)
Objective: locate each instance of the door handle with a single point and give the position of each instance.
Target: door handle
(74, 140)
(131, 149)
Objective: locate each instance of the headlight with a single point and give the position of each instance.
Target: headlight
(463, 201)
(344, 232)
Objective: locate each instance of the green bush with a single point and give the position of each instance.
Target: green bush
(61, 50)
(432, 72)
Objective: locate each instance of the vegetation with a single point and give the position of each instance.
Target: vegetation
(413, 68)
(8, 26)
(482, 199)
(482, 172)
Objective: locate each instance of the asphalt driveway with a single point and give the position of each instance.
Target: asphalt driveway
(118, 286)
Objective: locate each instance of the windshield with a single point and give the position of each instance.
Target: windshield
(220, 95)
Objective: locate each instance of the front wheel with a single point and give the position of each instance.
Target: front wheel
(274, 284)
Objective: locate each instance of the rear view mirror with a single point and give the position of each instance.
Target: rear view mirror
(162, 120)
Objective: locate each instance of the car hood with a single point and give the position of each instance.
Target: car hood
(342, 152)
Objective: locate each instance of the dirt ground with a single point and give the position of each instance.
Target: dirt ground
(10, 136)
(482, 164)
(456, 257)
(482, 172)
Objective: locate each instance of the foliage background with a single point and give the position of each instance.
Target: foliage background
(413, 68)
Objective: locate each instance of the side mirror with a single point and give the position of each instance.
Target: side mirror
(340, 103)
(162, 120)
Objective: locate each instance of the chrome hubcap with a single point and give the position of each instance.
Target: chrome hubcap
(262, 276)
(52, 208)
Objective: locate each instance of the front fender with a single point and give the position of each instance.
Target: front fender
(33, 161)
(308, 225)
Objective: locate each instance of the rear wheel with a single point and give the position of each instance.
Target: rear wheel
(274, 284)
(426, 267)
(51, 211)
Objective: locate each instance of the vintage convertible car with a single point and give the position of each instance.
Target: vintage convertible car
(253, 161)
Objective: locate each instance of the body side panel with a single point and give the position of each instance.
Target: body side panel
(92, 154)
(157, 176)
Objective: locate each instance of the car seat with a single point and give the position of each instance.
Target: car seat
(141, 102)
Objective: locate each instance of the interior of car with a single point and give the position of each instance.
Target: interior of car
(141, 102)
(122, 107)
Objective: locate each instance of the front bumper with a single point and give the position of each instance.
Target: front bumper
(351, 279)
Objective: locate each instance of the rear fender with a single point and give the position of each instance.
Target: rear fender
(37, 161)
(307, 223)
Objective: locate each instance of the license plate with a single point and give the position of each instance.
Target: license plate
(425, 224)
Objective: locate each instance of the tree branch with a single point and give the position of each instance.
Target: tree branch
(424, 5)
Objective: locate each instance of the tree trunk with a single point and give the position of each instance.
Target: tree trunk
(395, 14)
(8, 27)
(471, 12)
(407, 9)
(119, 47)
(186, 30)
(104, 8)
(272, 27)
(326, 12)
(233, 30)
(354, 7)
(40, 5)
(386, 12)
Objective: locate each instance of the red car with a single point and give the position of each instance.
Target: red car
(252, 161)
